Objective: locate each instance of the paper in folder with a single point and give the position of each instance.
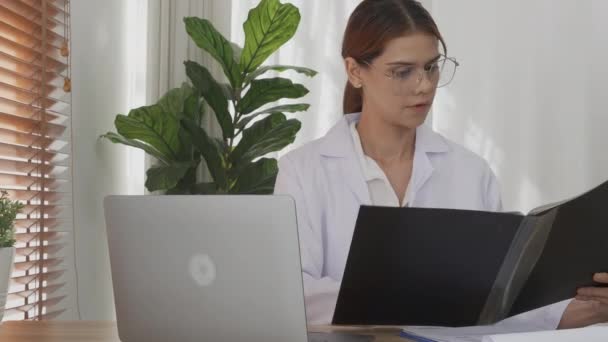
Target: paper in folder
(445, 267)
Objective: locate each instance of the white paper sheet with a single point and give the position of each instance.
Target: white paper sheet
(497, 333)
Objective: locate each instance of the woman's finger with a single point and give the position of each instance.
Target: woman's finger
(597, 292)
(601, 278)
(601, 300)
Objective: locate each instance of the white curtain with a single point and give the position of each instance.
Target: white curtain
(108, 52)
(169, 46)
(530, 93)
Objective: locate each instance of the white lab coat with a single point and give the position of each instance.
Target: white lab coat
(326, 181)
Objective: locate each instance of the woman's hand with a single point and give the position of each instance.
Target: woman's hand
(590, 306)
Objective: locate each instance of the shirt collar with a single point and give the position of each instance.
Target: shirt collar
(338, 141)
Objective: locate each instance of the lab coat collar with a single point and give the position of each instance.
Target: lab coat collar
(338, 143)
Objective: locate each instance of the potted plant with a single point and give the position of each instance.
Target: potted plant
(251, 126)
(8, 212)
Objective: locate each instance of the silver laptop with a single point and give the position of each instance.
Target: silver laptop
(208, 268)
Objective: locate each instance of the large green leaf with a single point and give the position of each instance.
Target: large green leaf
(185, 184)
(291, 108)
(166, 176)
(119, 139)
(204, 188)
(174, 100)
(228, 91)
(269, 90)
(268, 26)
(280, 68)
(213, 94)
(237, 50)
(270, 134)
(209, 39)
(194, 108)
(257, 178)
(153, 126)
(209, 149)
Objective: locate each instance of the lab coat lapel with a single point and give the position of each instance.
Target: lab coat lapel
(339, 154)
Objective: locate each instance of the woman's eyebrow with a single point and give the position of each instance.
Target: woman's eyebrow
(404, 63)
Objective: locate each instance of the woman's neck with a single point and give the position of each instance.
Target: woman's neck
(384, 142)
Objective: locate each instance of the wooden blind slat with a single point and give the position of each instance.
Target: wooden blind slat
(27, 67)
(49, 223)
(50, 289)
(22, 24)
(31, 39)
(27, 251)
(16, 123)
(15, 79)
(33, 10)
(30, 168)
(25, 266)
(25, 139)
(52, 9)
(26, 53)
(34, 196)
(27, 307)
(24, 280)
(30, 71)
(7, 178)
(44, 236)
(31, 111)
(30, 96)
(11, 15)
(50, 210)
(27, 153)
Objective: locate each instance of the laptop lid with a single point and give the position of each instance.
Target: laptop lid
(206, 268)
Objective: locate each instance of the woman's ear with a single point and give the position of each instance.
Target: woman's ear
(353, 70)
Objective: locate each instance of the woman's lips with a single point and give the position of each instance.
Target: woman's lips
(421, 107)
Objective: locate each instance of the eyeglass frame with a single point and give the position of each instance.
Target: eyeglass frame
(424, 71)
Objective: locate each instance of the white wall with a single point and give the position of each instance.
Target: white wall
(102, 87)
(530, 93)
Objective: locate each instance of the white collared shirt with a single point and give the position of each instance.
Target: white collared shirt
(380, 190)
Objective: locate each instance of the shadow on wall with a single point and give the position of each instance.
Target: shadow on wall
(527, 96)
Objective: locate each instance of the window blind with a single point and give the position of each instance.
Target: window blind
(35, 164)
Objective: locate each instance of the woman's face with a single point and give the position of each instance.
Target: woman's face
(396, 88)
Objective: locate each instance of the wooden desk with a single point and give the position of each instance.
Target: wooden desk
(85, 331)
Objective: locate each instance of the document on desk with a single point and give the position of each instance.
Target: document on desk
(457, 268)
(589, 334)
(597, 333)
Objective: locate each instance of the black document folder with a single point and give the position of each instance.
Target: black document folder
(447, 267)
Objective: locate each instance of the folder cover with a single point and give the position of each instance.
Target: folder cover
(449, 267)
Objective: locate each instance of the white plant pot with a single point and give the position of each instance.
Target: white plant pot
(6, 266)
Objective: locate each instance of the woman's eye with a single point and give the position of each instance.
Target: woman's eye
(402, 73)
(432, 67)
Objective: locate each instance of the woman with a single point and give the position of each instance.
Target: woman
(383, 155)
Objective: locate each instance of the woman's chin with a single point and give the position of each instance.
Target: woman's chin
(412, 118)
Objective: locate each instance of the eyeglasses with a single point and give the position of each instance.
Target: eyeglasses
(406, 77)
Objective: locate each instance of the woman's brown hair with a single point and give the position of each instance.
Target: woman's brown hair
(371, 26)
